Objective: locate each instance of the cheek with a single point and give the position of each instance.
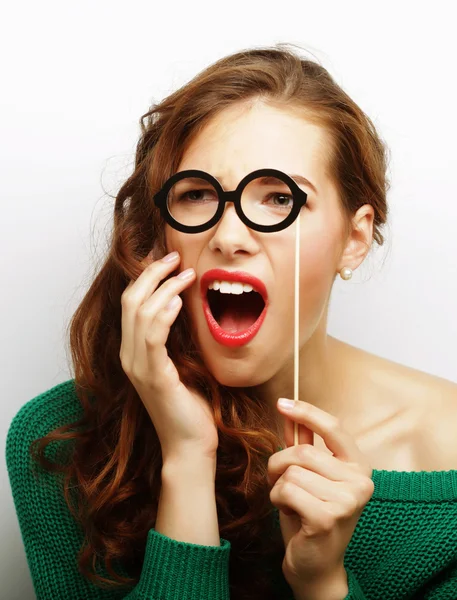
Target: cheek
(171, 241)
(319, 247)
(317, 257)
(317, 271)
(175, 240)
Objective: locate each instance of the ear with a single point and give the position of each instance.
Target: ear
(359, 240)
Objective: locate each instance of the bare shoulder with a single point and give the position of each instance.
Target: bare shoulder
(438, 435)
(423, 388)
(430, 394)
(427, 410)
(405, 384)
(408, 416)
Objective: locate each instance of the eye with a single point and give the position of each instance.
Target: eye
(285, 198)
(196, 196)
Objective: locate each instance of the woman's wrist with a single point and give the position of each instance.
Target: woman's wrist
(187, 509)
(332, 587)
(191, 466)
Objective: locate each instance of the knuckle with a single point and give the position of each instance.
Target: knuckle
(332, 514)
(144, 312)
(292, 473)
(349, 504)
(306, 451)
(123, 357)
(304, 409)
(151, 267)
(367, 486)
(151, 339)
(285, 489)
(327, 522)
(163, 316)
(275, 495)
(334, 424)
(124, 364)
(126, 298)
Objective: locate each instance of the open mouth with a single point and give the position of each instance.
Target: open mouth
(235, 312)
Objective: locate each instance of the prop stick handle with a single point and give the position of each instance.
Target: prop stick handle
(296, 326)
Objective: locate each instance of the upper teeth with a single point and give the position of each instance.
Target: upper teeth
(228, 287)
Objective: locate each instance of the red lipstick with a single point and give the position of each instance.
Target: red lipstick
(239, 338)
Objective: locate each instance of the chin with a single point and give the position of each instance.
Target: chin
(234, 377)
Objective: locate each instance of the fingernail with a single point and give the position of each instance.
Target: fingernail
(286, 404)
(187, 274)
(174, 302)
(170, 257)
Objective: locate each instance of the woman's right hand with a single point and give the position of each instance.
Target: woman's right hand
(182, 418)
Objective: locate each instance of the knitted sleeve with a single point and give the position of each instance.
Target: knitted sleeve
(175, 570)
(52, 538)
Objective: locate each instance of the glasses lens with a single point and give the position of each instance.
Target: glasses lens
(267, 200)
(192, 201)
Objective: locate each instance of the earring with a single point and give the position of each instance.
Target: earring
(346, 273)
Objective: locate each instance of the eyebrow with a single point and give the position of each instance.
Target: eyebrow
(304, 181)
(297, 178)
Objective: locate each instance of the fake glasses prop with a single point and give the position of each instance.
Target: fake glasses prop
(266, 200)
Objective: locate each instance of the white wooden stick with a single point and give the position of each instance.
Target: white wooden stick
(296, 326)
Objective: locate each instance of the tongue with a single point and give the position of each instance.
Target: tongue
(238, 313)
(234, 322)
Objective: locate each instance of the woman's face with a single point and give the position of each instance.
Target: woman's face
(239, 140)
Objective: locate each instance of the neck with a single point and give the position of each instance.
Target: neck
(323, 379)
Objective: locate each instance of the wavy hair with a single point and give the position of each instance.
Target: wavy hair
(115, 455)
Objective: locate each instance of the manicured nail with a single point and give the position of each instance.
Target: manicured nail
(286, 404)
(174, 302)
(170, 257)
(187, 274)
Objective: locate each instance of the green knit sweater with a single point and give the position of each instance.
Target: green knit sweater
(404, 545)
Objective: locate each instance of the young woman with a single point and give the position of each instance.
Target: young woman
(181, 479)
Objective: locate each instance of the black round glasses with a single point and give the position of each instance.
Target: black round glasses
(265, 200)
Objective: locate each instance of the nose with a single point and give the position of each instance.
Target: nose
(231, 235)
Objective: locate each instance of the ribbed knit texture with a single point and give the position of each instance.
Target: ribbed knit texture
(404, 545)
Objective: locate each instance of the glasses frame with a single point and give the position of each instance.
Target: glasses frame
(299, 200)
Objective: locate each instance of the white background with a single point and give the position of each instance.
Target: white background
(76, 77)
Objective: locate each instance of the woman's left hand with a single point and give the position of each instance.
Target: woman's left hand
(320, 498)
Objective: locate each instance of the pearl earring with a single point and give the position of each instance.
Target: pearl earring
(346, 273)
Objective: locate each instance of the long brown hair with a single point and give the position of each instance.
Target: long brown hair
(115, 459)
